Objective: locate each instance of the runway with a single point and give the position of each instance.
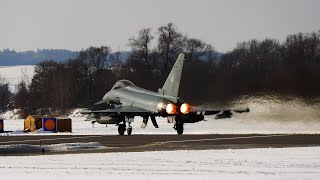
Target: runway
(42, 144)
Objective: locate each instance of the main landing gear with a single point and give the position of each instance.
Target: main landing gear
(178, 126)
(122, 128)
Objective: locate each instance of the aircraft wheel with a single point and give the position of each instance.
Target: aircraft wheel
(121, 129)
(179, 127)
(129, 131)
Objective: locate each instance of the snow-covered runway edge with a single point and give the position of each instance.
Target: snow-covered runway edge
(235, 125)
(269, 163)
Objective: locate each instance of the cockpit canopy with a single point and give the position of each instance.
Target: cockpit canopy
(122, 83)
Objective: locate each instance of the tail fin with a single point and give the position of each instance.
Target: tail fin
(171, 86)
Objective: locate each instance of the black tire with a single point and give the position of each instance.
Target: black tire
(179, 128)
(121, 129)
(129, 131)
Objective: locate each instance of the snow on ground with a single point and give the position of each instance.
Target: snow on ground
(238, 124)
(14, 74)
(270, 163)
(263, 118)
(259, 121)
(11, 114)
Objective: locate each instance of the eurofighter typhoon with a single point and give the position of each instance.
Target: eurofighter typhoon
(130, 100)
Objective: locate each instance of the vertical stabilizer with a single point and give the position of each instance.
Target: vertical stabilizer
(171, 86)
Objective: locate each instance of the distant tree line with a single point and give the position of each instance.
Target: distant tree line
(291, 67)
(11, 57)
(269, 66)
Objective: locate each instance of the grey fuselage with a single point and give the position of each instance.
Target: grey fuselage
(135, 96)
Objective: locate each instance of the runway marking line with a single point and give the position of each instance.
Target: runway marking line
(38, 140)
(215, 139)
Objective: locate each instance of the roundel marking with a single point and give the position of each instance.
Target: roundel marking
(50, 124)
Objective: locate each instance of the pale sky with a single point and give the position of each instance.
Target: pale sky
(78, 24)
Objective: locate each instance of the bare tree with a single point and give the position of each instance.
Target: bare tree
(141, 45)
(195, 48)
(3, 80)
(21, 98)
(25, 76)
(96, 58)
(170, 43)
(4, 93)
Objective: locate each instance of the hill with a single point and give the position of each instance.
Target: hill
(11, 57)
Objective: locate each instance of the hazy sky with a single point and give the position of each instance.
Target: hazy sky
(78, 24)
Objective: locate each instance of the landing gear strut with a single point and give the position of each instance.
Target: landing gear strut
(179, 127)
(129, 129)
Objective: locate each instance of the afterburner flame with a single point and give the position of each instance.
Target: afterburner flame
(185, 108)
(171, 109)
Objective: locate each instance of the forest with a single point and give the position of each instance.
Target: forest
(253, 67)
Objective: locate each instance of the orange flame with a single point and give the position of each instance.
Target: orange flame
(185, 108)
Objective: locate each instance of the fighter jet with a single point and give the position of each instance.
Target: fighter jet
(130, 100)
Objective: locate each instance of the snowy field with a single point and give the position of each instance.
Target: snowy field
(283, 163)
(14, 74)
